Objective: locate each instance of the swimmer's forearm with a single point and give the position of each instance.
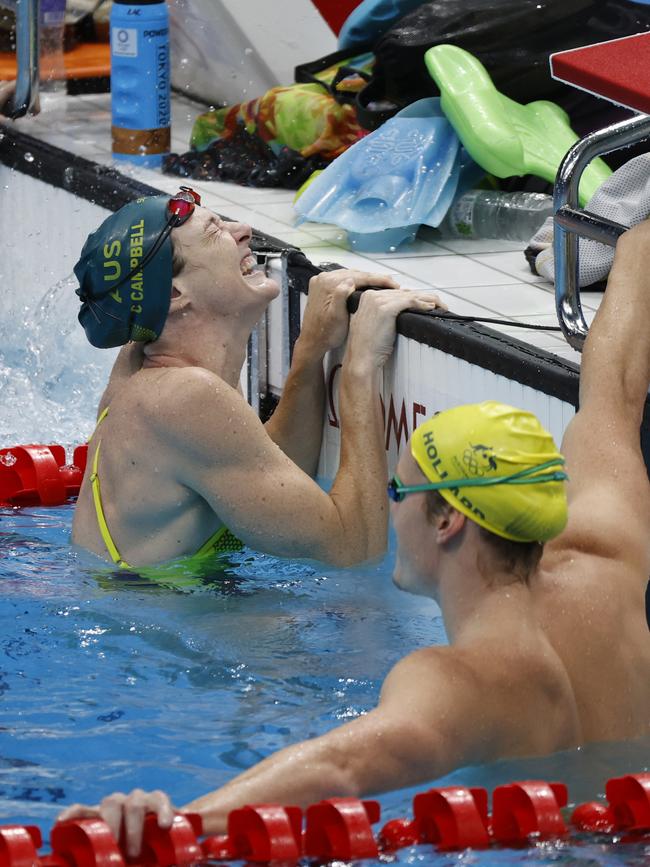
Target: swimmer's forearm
(359, 489)
(299, 775)
(303, 398)
(372, 754)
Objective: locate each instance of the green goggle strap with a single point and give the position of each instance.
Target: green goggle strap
(523, 477)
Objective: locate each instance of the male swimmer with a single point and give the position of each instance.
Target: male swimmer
(543, 605)
(179, 464)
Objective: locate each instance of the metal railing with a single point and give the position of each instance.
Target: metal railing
(27, 56)
(571, 221)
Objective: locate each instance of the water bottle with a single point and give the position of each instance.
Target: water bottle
(52, 69)
(140, 81)
(497, 214)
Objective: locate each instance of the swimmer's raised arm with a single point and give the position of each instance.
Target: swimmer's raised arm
(219, 449)
(324, 327)
(608, 491)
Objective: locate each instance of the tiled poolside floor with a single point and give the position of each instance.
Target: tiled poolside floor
(482, 278)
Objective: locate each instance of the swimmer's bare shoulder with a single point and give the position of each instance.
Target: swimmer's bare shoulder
(188, 408)
(213, 444)
(474, 704)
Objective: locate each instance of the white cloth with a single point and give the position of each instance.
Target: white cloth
(625, 198)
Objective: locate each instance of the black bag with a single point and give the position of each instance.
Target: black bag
(513, 40)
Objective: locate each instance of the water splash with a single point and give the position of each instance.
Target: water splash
(51, 379)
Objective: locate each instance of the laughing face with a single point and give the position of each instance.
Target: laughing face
(219, 267)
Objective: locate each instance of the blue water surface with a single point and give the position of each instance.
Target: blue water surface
(109, 683)
(106, 683)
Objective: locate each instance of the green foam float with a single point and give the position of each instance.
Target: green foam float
(501, 135)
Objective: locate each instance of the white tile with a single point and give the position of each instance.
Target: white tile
(464, 307)
(546, 319)
(450, 271)
(265, 196)
(306, 242)
(419, 248)
(215, 203)
(510, 300)
(347, 259)
(282, 212)
(327, 234)
(512, 263)
(471, 247)
(226, 191)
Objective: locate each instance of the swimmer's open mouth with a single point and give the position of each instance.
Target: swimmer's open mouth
(248, 265)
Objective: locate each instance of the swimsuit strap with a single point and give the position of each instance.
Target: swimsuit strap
(99, 421)
(99, 508)
(222, 541)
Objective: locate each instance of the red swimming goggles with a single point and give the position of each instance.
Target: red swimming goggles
(181, 206)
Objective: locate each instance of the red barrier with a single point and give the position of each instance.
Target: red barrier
(397, 834)
(37, 475)
(453, 818)
(595, 817)
(176, 845)
(339, 829)
(86, 843)
(629, 801)
(266, 833)
(218, 848)
(521, 810)
(18, 845)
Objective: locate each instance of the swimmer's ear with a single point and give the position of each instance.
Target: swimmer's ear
(179, 301)
(448, 524)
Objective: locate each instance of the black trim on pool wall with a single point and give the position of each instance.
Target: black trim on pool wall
(101, 185)
(500, 354)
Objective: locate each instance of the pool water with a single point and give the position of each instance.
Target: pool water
(107, 683)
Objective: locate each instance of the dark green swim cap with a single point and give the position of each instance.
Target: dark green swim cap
(115, 310)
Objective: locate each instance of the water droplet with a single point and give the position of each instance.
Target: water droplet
(29, 157)
(8, 460)
(248, 50)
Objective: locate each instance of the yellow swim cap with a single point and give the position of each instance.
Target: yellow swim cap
(509, 464)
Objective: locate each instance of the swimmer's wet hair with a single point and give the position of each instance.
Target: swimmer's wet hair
(519, 558)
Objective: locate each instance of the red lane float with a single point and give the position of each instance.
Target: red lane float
(37, 475)
(523, 810)
(452, 818)
(339, 829)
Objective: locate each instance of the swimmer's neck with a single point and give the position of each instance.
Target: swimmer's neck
(485, 609)
(223, 355)
(476, 596)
